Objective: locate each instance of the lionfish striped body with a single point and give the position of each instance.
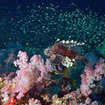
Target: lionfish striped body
(64, 50)
(62, 53)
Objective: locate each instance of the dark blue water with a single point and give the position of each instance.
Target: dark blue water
(95, 5)
(15, 16)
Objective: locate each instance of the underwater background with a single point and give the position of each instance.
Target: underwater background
(32, 27)
(34, 20)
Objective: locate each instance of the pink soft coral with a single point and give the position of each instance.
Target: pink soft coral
(30, 75)
(91, 75)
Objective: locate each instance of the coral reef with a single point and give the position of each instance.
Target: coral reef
(30, 75)
(35, 84)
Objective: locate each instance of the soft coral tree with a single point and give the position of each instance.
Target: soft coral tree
(30, 74)
(90, 76)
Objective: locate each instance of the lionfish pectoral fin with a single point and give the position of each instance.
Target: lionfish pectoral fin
(67, 62)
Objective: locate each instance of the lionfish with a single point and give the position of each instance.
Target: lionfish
(62, 54)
